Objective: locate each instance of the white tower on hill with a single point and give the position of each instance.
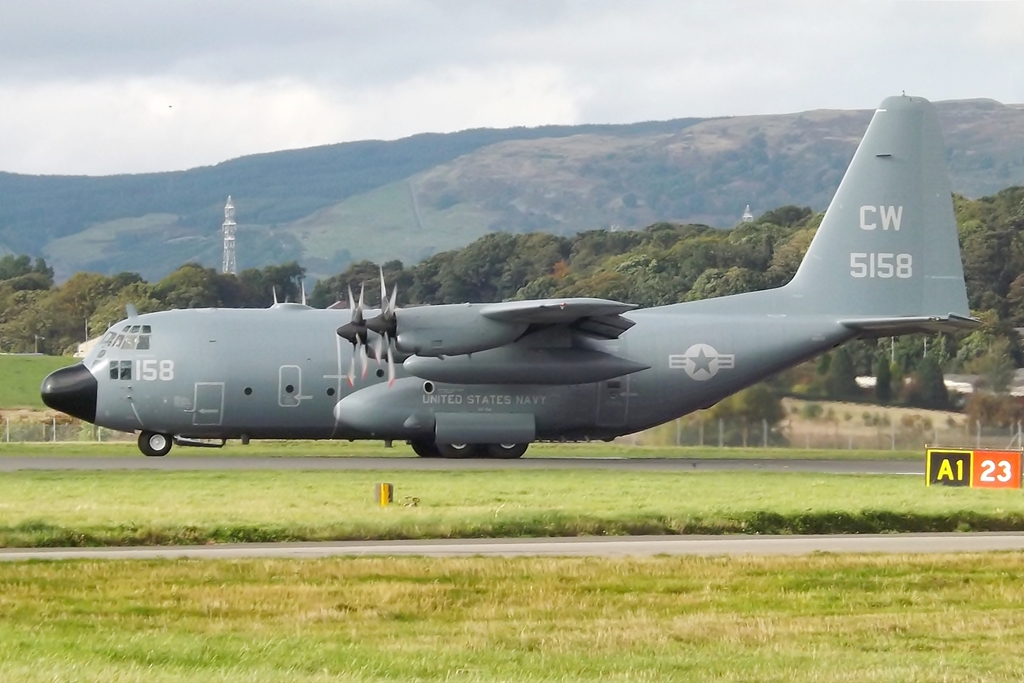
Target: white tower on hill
(747, 216)
(229, 265)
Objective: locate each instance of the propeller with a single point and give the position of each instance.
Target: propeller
(385, 325)
(355, 332)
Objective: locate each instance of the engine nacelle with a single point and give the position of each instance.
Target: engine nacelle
(452, 330)
(518, 365)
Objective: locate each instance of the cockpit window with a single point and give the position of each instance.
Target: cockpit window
(132, 337)
(120, 369)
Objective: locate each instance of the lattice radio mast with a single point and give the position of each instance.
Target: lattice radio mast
(228, 228)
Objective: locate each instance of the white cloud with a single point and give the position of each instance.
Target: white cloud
(85, 87)
(162, 124)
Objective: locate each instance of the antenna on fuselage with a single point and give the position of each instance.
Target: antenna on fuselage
(274, 290)
(302, 288)
(132, 312)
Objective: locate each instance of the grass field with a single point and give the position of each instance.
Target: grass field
(152, 507)
(22, 376)
(786, 620)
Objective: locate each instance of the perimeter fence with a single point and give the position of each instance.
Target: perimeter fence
(906, 432)
(902, 433)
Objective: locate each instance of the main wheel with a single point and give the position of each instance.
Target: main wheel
(153, 444)
(461, 450)
(506, 451)
(425, 449)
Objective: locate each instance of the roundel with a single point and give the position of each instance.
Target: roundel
(702, 361)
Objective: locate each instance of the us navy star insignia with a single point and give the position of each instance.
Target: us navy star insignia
(701, 361)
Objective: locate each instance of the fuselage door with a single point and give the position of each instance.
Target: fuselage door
(613, 402)
(289, 386)
(209, 403)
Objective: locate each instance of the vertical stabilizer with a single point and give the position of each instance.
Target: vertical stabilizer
(887, 246)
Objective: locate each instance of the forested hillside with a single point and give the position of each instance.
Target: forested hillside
(664, 263)
(411, 199)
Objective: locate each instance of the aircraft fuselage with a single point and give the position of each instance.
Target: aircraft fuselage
(283, 372)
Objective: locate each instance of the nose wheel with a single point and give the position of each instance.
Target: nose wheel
(154, 445)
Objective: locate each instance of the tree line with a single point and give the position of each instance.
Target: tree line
(662, 264)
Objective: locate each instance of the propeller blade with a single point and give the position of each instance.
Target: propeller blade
(352, 368)
(363, 359)
(391, 367)
(362, 293)
(351, 302)
(383, 291)
(391, 302)
(379, 351)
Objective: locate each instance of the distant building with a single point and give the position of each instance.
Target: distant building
(747, 216)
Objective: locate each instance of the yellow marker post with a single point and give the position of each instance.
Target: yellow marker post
(385, 494)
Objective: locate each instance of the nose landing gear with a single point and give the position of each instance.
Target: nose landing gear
(154, 444)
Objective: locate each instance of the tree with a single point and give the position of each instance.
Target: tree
(993, 410)
(927, 386)
(883, 380)
(841, 379)
(995, 367)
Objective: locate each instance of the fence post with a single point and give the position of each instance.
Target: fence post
(702, 432)
(7, 429)
(979, 434)
(764, 433)
(892, 433)
(679, 431)
(721, 433)
(53, 434)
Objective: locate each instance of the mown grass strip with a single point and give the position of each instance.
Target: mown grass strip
(147, 507)
(794, 620)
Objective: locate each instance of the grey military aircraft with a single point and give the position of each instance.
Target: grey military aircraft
(487, 379)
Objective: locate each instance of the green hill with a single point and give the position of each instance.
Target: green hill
(22, 376)
(411, 198)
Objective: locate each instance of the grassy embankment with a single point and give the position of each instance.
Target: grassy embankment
(835, 618)
(151, 507)
(22, 376)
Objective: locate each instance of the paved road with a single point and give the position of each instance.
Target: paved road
(627, 546)
(13, 463)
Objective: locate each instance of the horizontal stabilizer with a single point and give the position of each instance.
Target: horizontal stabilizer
(891, 327)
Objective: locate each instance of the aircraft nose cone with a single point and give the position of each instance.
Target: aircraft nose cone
(71, 390)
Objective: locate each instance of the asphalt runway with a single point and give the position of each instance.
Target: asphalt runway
(199, 463)
(625, 546)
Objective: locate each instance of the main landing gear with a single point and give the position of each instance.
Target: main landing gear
(504, 451)
(154, 444)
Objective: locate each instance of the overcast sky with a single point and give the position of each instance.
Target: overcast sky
(124, 86)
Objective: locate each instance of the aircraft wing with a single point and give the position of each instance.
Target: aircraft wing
(599, 317)
(889, 327)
